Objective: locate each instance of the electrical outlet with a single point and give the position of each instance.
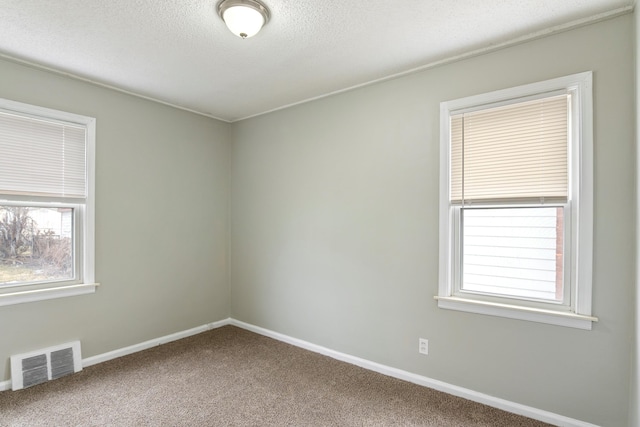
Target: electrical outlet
(423, 346)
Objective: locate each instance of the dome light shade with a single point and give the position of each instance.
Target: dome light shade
(244, 18)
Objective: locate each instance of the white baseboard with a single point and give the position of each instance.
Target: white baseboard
(152, 343)
(93, 360)
(505, 405)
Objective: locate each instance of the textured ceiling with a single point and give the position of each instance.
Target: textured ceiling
(180, 52)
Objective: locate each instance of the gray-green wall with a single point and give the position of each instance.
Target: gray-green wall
(335, 230)
(634, 398)
(162, 203)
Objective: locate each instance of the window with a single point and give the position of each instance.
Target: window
(516, 203)
(46, 203)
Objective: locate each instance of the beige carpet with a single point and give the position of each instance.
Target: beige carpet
(231, 377)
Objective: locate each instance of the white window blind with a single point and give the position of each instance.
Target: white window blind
(514, 153)
(42, 157)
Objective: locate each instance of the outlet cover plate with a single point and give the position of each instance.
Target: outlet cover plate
(423, 346)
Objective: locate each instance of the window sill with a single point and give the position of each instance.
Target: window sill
(571, 320)
(33, 295)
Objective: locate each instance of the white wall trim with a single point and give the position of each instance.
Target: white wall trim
(466, 55)
(446, 60)
(576, 311)
(94, 360)
(530, 314)
(505, 405)
(32, 295)
(75, 76)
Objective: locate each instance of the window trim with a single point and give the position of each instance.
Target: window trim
(581, 196)
(85, 243)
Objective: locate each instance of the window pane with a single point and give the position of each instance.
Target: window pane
(514, 252)
(36, 244)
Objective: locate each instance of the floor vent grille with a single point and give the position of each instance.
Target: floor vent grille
(37, 367)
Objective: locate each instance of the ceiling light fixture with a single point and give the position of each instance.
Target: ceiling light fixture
(244, 18)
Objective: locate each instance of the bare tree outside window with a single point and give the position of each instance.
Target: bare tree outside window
(35, 244)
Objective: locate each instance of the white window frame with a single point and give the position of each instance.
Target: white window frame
(578, 237)
(83, 219)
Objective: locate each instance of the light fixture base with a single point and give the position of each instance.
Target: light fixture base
(232, 19)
